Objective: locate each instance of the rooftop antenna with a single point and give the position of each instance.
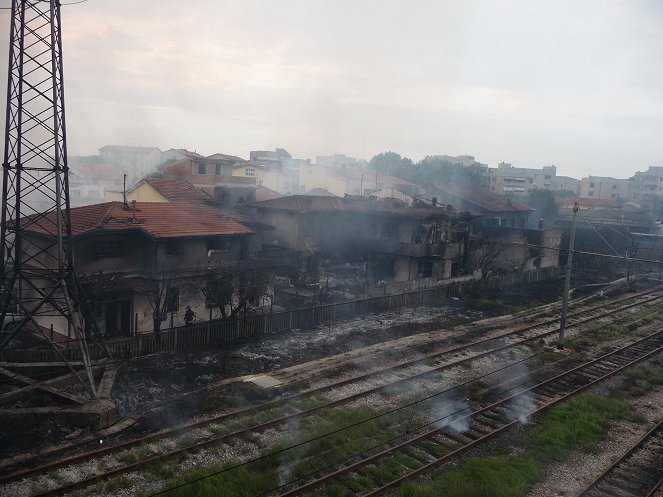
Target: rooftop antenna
(124, 190)
(37, 277)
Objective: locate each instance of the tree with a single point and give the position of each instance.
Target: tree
(233, 292)
(435, 170)
(392, 164)
(482, 255)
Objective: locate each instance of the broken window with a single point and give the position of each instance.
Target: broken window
(172, 302)
(425, 269)
(108, 249)
(171, 248)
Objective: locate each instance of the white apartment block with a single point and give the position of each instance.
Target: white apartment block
(646, 185)
(521, 180)
(603, 187)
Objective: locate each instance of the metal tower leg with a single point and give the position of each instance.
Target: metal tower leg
(38, 279)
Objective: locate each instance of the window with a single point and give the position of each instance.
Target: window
(591, 185)
(218, 170)
(591, 194)
(221, 243)
(172, 301)
(259, 182)
(171, 248)
(614, 187)
(250, 171)
(202, 169)
(108, 249)
(425, 269)
(547, 176)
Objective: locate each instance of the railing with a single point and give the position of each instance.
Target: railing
(216, 332)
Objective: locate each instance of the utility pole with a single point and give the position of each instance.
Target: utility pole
(567, 281)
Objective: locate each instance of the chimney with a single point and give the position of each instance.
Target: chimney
(133, 211)
(541, 223)
(434, 200)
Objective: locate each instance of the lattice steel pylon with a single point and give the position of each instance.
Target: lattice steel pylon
(38, 279)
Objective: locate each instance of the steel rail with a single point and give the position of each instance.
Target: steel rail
(615, 466)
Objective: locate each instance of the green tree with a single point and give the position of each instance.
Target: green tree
(392, 164)
(437, 171)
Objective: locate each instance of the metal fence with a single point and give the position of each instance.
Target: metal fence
(216, 332)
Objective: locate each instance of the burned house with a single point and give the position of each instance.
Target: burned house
(392, 241)
(143, 261)
(495, 209)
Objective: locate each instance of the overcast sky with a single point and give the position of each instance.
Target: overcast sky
(574, 83)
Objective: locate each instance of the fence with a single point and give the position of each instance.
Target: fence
(216, 332)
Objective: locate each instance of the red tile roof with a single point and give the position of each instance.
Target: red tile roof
(156, 219)
(178, 191)
(484, 199)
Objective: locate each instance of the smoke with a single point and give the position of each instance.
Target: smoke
(520, 408)
(284, 470)
(523, 404)
(449, 413)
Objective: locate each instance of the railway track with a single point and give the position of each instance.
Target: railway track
(289, 416)
(483, 423)
(638, 473)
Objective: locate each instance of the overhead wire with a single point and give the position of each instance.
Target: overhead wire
(601, 236)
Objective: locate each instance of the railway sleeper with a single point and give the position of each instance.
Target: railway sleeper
(606, 491)
(419, 454)
(461, 438)
(443, 441)
(627, 486)
(480, 428)
(489, 422)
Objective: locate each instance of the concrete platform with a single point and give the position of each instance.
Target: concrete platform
(264, 381)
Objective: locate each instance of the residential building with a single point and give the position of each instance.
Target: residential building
(604, 188)
(566, 183)
(137, 161)
(396, 242)
(276, 170)
(338, 160)
(520, 180)
(496, 210)
(92, 181)
(214, 175)
(135, 259)
(644, 186)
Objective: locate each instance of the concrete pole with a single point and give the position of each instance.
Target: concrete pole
(567, 281)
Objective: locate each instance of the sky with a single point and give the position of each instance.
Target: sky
(574, 83)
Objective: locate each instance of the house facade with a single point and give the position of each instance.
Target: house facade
(394, 242)
(145, 261)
